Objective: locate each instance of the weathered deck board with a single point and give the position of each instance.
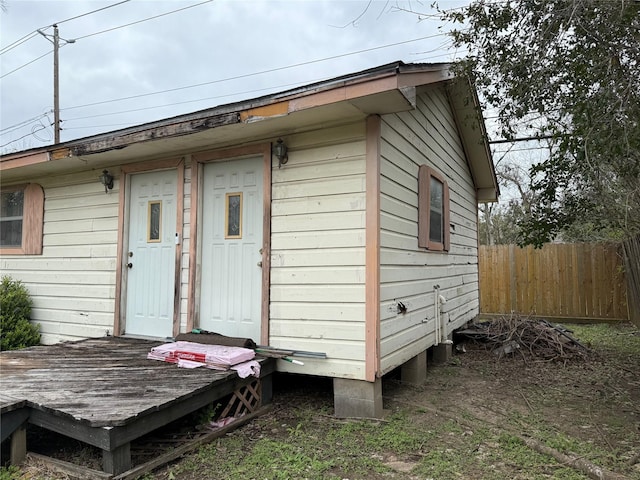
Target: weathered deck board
(105, 392)
(100, 382)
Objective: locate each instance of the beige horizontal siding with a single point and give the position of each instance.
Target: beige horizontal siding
(426, 135)
(72, 283)
(317, 251)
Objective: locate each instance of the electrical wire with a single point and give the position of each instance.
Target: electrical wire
(527, 149)
(33, 34)
(18, 42)
(24, 136)
(205, 83)
(143, 20)
(29, 63)
(253, 74)
(24, 122)
(216, 81)
(88, 13)
(233, 94)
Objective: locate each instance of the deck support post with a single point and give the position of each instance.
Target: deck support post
(18, 445)
(357, 398)
(414, 371)
(118, 460)
(266, 389)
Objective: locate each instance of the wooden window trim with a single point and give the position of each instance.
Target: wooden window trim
(227, 199)
(150, 239)
(425, 173)
(32, 221)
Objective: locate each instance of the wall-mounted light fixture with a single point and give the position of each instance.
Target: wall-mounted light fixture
(106, 179)
(280, 151)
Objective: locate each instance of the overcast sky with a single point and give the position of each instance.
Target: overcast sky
(213, 53)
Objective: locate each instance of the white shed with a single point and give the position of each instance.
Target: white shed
(361, 242)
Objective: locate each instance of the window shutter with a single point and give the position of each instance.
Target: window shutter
(33, 219)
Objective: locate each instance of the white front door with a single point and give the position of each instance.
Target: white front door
(231, 275)
(150, 257)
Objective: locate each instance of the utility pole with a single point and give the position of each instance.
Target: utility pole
(56, 87)
(56, 80)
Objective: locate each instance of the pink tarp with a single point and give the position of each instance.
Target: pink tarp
(217, 357)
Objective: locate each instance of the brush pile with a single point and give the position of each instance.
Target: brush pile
(528, 337)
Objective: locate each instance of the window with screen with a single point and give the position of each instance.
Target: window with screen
(433, 210)
(21, 219)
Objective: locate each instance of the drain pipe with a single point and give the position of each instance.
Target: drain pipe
(443, 320)
(436, 309)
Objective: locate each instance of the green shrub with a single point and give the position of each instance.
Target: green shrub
(16, 331)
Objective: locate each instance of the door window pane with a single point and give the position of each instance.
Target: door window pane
(154, 221)
(233, 215)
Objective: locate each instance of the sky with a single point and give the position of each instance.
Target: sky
(126, 67)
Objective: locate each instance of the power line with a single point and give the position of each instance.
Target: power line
(216, 81)
(522, 149)
(27, 64)
(89, 13)
(34, 130)
(33, 34)
(21, 124)
(95, 33)
(143, 20)
(523, 139)
(18, 42)
(233, 94)
(194, 101)
(246, 75)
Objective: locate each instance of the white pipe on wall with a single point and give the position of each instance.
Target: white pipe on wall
(436, 309)
(442, 316)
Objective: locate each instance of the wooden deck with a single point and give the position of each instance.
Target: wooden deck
(106, 393)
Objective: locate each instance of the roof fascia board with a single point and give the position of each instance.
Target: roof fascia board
(468, 117)
(414, 79)
(324, 94)
(392, 77)
(119, 141)
(22, 160)
(349, 90)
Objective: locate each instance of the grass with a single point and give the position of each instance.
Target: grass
(619, 340)
(467, 421)
(370, 449)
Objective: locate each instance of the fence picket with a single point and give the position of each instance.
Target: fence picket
(577, 281)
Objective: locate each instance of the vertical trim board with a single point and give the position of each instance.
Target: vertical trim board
(372, 266)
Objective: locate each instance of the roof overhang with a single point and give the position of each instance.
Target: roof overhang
(387, 89)
(468, 115)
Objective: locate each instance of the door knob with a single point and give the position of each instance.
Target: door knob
(130, 265)
(260, 264)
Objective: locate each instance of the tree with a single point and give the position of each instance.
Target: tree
(499, 223)
(573, 66)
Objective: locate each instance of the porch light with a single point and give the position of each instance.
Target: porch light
(106, 179)
(280, 151)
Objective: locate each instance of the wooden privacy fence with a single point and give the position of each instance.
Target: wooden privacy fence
(631, 248)
(572, 281)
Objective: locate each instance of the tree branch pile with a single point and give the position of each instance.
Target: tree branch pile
(528, 337)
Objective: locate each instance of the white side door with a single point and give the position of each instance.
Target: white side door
(230, 271)
(151, 254)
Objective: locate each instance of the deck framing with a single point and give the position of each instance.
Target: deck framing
(104, 392)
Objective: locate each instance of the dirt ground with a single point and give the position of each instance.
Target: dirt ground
(468, 411)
